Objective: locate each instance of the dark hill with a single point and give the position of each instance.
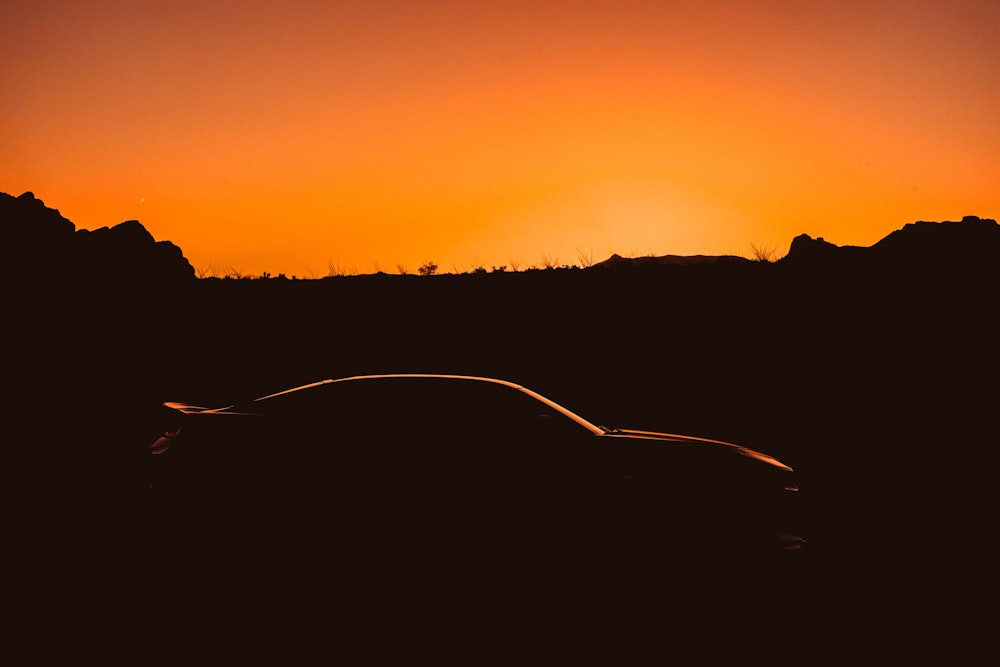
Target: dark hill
(972, 240)
(616, 260)
(42, 245)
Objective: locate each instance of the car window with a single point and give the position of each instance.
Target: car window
(432, 433)
(421, 405)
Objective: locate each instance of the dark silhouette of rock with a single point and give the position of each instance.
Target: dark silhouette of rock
(963, 244)
(37, 220)
(805, 249)
(35, 237)
(44, 246)
(128, 249)
(972, 239)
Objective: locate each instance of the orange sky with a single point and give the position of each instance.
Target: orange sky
(293, 137)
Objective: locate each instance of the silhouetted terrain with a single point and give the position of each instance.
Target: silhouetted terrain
(872, 371)
(39, 242)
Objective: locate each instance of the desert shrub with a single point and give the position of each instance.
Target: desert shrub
(762, 253)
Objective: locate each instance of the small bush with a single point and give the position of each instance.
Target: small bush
(764, 254)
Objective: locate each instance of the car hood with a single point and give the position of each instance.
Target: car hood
(687, 439)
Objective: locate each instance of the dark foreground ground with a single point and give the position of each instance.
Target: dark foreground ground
(878, 385)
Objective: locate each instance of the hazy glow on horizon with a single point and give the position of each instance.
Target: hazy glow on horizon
(286, 137)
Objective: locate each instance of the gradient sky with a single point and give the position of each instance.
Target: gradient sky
(295, 137)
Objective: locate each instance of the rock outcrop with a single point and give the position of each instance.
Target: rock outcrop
(43, 246)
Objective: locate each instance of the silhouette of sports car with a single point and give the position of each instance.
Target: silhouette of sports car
(448, 465)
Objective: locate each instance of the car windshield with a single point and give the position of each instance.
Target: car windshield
(593, 428)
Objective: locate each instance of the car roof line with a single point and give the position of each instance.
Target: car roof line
(507, 383)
